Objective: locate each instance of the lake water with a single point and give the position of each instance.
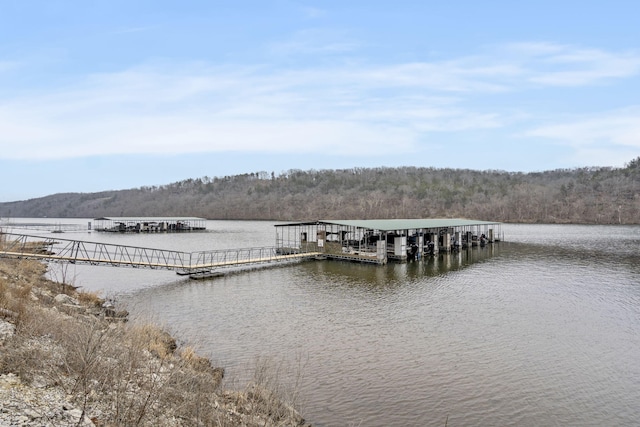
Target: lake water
(541, 329)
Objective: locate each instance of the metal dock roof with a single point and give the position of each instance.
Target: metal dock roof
(150, 219)
(401, 224)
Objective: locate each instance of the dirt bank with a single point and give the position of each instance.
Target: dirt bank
(67, 358)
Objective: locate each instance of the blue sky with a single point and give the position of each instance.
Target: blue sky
(106, 95)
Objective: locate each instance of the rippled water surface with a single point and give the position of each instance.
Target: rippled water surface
(541, 329)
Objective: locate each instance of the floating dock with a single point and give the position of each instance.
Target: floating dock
(381, 240)
(149, 224)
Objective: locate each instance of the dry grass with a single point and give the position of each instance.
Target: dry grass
(118, 373)
(90, 299)
(15, 292)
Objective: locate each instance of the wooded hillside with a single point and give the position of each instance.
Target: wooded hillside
(596, 195)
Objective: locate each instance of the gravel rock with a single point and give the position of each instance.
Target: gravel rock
(6, 330)
(65, 299)
(27, 406)
(88, 350)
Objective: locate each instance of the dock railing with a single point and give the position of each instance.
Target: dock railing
(94, 253)
(78, 251)
(237, 257)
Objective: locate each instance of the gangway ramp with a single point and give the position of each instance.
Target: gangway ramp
(94, 253)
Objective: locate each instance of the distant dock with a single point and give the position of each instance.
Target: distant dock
(149, 224)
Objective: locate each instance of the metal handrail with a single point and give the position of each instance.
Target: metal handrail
(94, 253)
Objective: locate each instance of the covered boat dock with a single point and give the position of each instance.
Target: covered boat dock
(116, 224)
(380, 240)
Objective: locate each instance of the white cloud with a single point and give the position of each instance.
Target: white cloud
(358, 108)
(171, 135)
(610, 138)
(564, 65)
(452, 76)
(620, 127)
(218, 109)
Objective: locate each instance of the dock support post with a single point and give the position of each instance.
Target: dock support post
(434, 241)
(381, 251)
(490, 235)
(447, 242)
(469, 239)
(400, 247)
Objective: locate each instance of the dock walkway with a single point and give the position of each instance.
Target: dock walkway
(194, 264)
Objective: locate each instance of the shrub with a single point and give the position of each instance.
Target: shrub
(120, 373)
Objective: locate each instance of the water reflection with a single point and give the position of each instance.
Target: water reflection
(398, 274)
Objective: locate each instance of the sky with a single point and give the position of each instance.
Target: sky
(110, 95)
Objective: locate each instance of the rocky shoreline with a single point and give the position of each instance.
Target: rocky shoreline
(69, 358)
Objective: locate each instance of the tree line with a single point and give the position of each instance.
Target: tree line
(590, 195)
